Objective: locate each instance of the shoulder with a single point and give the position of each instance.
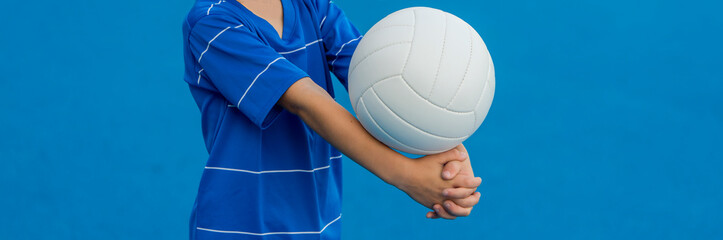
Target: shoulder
(214, 12)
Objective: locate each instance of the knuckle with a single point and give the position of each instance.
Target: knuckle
(451, 166)
(454, 153)
(464, 193)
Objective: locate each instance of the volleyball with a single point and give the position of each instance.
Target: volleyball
(421, 80)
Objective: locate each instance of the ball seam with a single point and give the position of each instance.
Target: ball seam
(373, 52)
(389, 135)
(479, 101)
(410, 124)
(441, 56)
(387, 26)
(367, 89)
(414, 32)
(469, 60)
(404, 67)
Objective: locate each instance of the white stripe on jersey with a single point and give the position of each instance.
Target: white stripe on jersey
(336, 56)
(199, 77)
(304, 47)
(208, 46)
(275, 171)
(322, 22)
(209, 8)
(254, 81)
(270, 233)
(213, 39)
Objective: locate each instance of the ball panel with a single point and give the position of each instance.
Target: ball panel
(485, 101)
(456, 54)
(477, 38)
(476, 77)
(403, 17)
(417, 111)
(376, 67)
(426, 49)
(379, 41)
(401, 130)
(375, 130)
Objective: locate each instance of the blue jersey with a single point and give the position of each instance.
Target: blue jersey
(268, 175)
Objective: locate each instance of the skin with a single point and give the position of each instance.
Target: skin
(423, 179)
(451, 195)
(271, 11)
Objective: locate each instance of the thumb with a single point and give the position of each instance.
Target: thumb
(451, 169)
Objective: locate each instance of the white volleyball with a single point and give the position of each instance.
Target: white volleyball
(421, 80)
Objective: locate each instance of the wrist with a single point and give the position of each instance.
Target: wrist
(398, 173)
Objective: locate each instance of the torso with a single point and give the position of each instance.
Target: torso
(270, 10)
(297, 185)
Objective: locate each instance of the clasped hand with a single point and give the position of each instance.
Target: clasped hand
(451, 195)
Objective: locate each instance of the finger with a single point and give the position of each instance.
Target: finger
(463, 151)
(455, 209)
(451, 169)
(452, 155)
(470, 201)
(442, 213)
(468, 182)
(457, 193)
(432, 215)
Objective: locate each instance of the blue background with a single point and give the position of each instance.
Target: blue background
(607, 123)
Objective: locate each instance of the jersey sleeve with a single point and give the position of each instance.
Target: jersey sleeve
(251, 75)
(340, 39)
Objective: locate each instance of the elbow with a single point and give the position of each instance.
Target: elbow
(295, 109)
(301, 96)
(290, 105)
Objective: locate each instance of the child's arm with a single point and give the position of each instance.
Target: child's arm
(419, 178)
(232, 58)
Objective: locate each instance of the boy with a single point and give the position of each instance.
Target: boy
(259, 71)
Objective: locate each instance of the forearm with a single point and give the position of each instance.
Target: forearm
(338, 127)
(320, 112)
